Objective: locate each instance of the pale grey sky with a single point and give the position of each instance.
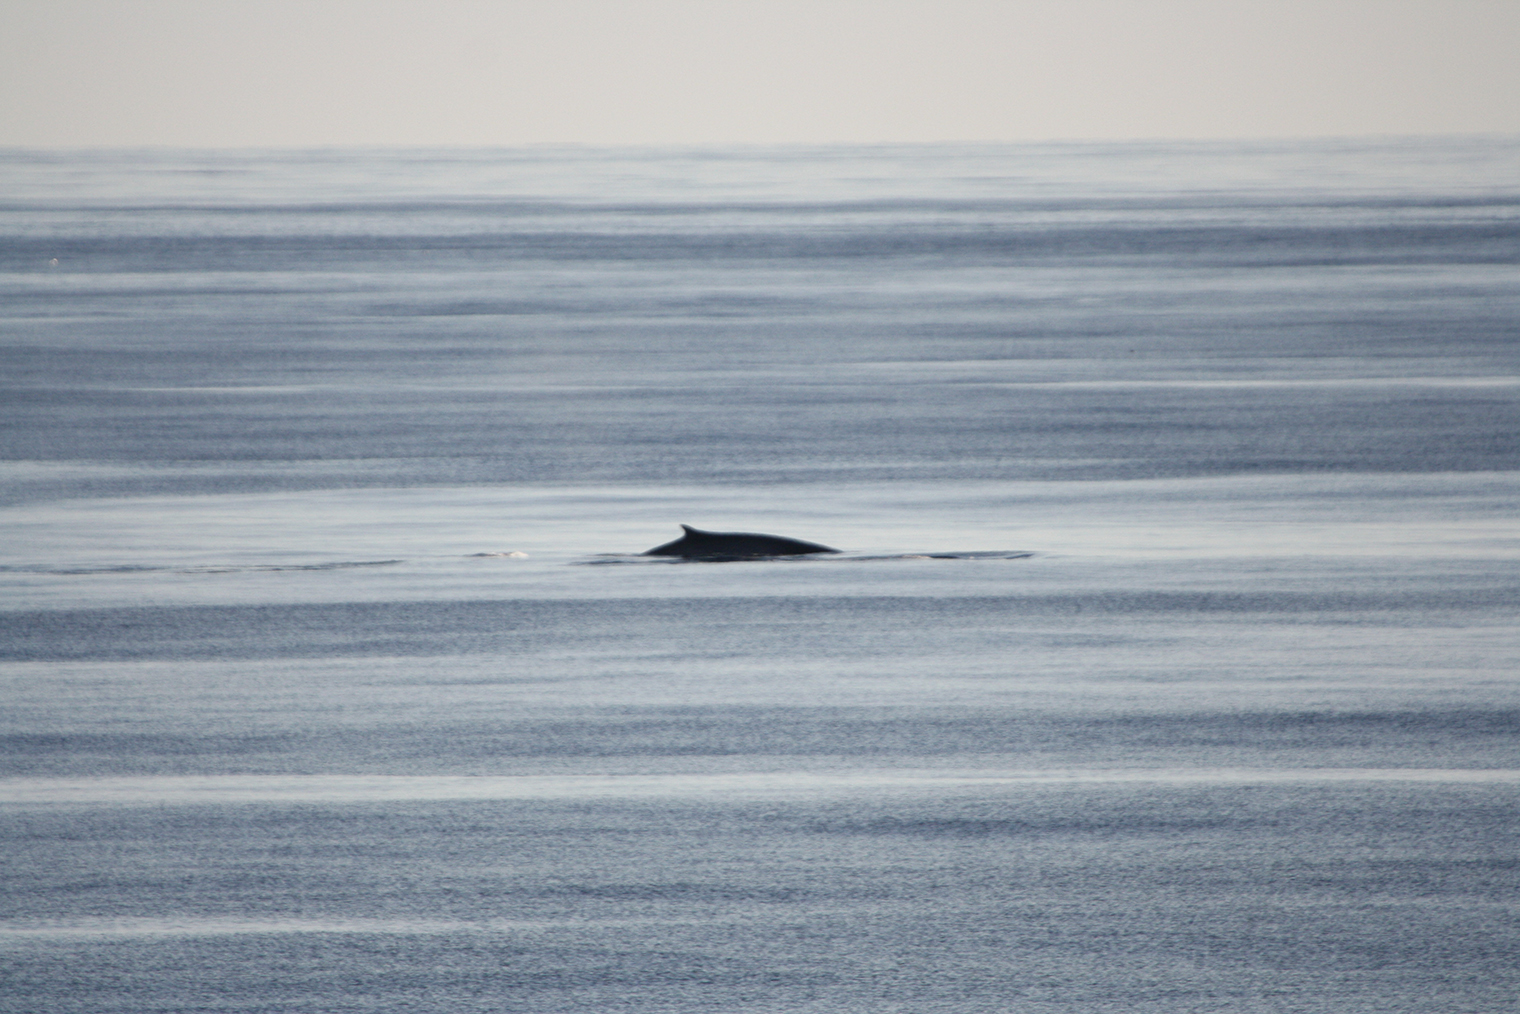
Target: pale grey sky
(478, 72)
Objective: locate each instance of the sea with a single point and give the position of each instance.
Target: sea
(1170, 661)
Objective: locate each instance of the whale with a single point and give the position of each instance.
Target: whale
(699, 545)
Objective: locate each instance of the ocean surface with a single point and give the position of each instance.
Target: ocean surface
(1171, 661)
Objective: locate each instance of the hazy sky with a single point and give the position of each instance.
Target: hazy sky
(276, 72)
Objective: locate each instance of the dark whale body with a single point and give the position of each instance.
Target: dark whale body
(699, 545)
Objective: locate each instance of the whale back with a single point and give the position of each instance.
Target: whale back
(699, 545)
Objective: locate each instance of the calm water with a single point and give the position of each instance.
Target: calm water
(1169, 664)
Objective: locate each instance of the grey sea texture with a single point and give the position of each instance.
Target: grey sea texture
(1167, 664)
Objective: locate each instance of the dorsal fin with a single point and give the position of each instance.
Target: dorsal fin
(696, 544)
